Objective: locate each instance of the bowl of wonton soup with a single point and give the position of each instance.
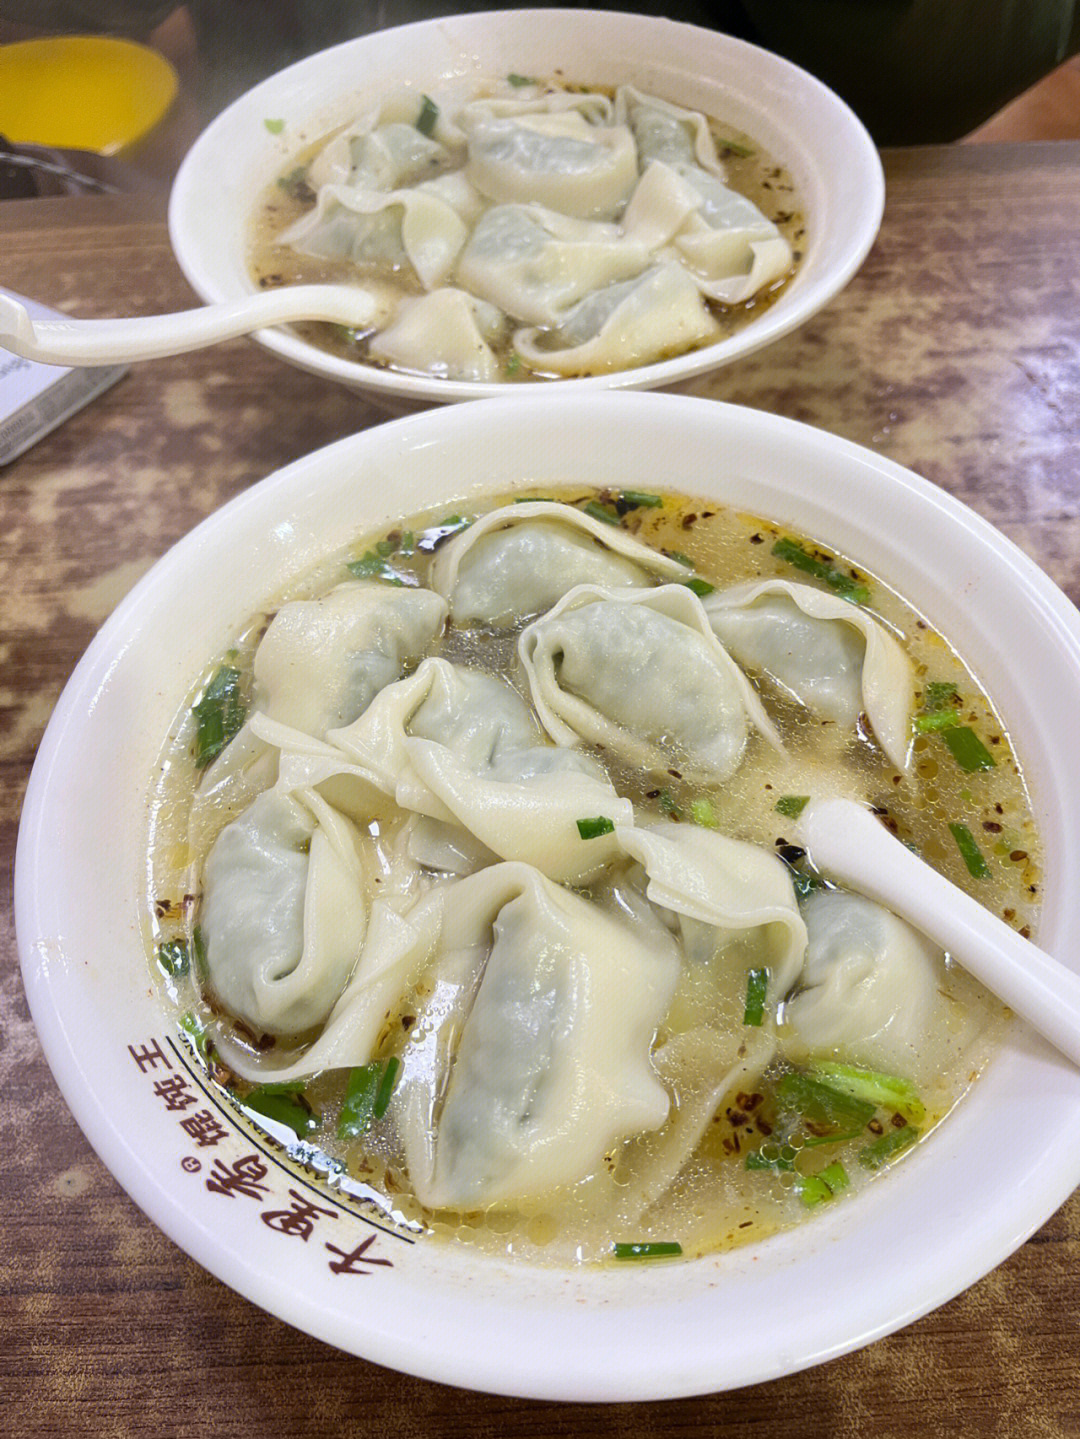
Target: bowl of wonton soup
(280, 1229)
(785, 139)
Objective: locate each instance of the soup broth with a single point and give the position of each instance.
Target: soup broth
(783, 1134)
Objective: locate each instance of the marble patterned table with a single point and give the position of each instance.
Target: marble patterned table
(956, 351)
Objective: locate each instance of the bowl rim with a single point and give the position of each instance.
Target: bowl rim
(863, 182)
(971, 1242)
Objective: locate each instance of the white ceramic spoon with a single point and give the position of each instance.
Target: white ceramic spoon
(149, 337)
(848, 844)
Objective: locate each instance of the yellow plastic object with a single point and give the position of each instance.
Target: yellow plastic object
(82, 92)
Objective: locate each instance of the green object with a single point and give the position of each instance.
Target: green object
(820, 1188)
(601, 512)
(805, 883)
(519, 80)
(640, 499)
(782, 1162)
(885, 1149)
(833, 1115)
(937, 694)
(968, 750)
(936, 720)
(367, 1096)
(657, 1249)
(796, 554)
(284, 1105)
(972, 854)
(194, 1028)
(885, 1091)
(734, 148)
(219, 714)
(791, 806)
(174, 957)
(429, 114)
(594, 828)
(274, 126)
(700, 587)
(666, 801)
(373, 566)
(702, 813)
(757, 987)
(680, 558)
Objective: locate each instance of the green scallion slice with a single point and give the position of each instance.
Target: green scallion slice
(700, 587)
(820, 1188)
(937, 694)
(887, 1091)
(219, 714)
(274, 126)
(791, 806)
(283, 1106)
(778, 1157)
(881, 1151)
(666, 801)
(373, 566)
(518, 81)
(194, 1028)
(804, 883)
(601, 512)
(702, 813)
(680, 558)
(968, 750)
(840, 1116)
(936, 721)
(594, 828)
(796, 554)
(173, 957)
(640, 500)
(429, 114)
(366, 1096)
(757, 987)
(655, 1249)
(972, 855)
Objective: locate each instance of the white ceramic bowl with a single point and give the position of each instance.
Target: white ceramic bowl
(955, 1207)
(828, 153)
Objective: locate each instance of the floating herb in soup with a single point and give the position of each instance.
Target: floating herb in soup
(533, 230)
(488, 905)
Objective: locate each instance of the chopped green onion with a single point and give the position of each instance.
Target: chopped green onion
(816, 1189)
(408, 543)
(657, 1249)
(295, 183)
(373, 566)
(198, 945)
(734, 148)
(284, 1106)
(666, 801)
(700, 587)
(367, 1096)
(194, 1028)
(881, 1151)
(796, 554)
(174, 957)
(805, 883)
(520, 80)
(640, 500)
(841, 1116)
(601, 512)
(385, 548)
(757, 986)
(429, 113)
(888, 1091)
(936, 720)
(274, 126)
(778, 1157)
(513, 364)
(937, 694)
(968, 750)
(680, 558)
(219, 714)
(702, 813)
(791, 806)
(594, 828)
(972, 854)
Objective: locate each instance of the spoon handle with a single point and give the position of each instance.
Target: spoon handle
(846, 842)
(108, 342)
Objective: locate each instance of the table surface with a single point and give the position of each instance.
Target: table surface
(956, 350)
